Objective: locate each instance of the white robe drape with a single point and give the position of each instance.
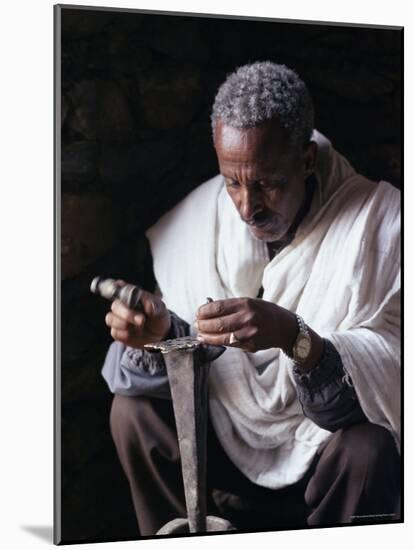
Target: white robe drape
(341, 273)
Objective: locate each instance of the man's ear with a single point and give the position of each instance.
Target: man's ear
(309, 158)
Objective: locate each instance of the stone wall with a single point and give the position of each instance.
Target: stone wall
(136, 96)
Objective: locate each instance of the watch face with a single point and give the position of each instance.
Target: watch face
(303, 348)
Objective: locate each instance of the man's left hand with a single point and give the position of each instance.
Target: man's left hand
(255, 324)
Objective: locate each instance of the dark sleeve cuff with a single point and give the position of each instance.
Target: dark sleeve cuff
(178, 328)
(152, 363)
(326, 392)
(131, 381)
(329, 368)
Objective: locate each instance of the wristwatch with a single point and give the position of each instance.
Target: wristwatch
(303, 343)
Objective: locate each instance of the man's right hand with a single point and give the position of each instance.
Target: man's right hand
(135, 328)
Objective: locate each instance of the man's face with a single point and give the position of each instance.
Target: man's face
(264, 180)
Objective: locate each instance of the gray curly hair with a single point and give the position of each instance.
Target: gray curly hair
(263, 91)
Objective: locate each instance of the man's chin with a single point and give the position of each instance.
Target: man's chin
(266, 236)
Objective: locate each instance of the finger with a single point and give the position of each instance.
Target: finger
(219, 340)
(112, 320)
(245, 338)
(139, 320)
(120, 335)
(220, 325)
(151, 304)
(220, 308)
(123, 312)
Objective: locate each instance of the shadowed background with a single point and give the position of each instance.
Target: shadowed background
(137, 91)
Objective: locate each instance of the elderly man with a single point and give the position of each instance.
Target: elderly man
(301, 256)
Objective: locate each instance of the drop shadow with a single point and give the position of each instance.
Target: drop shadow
(44, 532)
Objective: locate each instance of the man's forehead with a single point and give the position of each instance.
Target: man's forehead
(263, 142)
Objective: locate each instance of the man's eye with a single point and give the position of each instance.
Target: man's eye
(232, 183)
(273, 184)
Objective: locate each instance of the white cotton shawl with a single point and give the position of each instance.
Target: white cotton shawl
(341, 273)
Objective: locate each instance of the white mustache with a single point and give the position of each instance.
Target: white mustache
(260, 223)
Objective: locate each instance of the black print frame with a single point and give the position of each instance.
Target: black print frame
(133, 96)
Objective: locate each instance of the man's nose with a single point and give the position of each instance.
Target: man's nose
(250, 203)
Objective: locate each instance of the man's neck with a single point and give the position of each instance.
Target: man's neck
(276, 246)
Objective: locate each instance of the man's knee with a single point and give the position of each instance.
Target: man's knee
(358, 469)
(367, 446)
(128, 417)
(143, 423)
(364, 453)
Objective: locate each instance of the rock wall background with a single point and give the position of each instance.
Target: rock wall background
(137, 90)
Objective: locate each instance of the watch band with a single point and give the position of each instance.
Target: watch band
(303, 327)
(302, 346)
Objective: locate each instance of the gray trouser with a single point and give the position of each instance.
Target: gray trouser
(355, 476)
